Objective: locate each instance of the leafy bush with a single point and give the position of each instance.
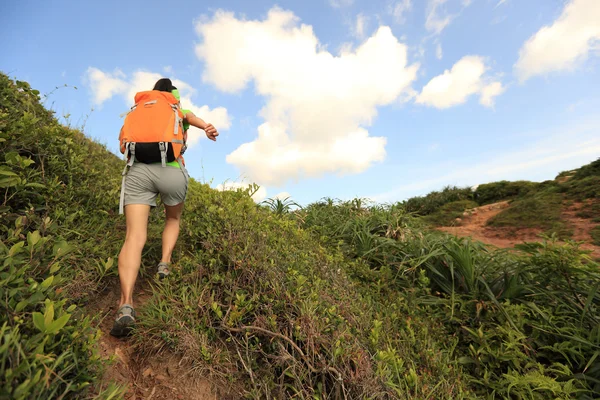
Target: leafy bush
(514, 316)
(448, 213)
(542, 211)
(589, 211)
(584, 182)
(52, 258)
(595, 233)
(261, 302)
(48, 346)
(503, 190)
(589, 170)
(425, 205)
(582, 189)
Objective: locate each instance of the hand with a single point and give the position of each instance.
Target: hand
(211, 132)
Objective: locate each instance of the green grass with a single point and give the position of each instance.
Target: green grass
(591, 211)
(589, 170)
(541, 212)
(584, 184)
(336, 300)
(448, 213)
(595, 233)
(527, 198)
(503, 190)
(425, 205)
(483, 297)
(57, 190)
(582, 189)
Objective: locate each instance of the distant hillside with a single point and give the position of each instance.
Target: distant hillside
(339, 300)
(568, 206)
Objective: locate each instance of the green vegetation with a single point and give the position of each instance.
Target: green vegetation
(588, 171)
(280, 206)
(596, 235)
(336, 300)
(502, 309)
(425, 205)
(542, 211)
(540, 205)
(504, 190)
(448, 213)
(53, 248)
(533, 205)
(587, 187)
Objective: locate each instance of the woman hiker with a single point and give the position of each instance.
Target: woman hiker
(141, 185)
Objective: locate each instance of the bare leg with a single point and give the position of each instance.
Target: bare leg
(130, 258)
(171, 231)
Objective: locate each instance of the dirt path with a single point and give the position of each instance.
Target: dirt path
(581, 227)
(474, 226)
(161, 378)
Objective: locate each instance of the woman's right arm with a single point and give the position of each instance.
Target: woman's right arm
(211, 131)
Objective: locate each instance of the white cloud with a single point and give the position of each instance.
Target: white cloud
(563, 45)
(317, 104)
(500, 3)
(438, 51)
(282, 196)
(489, 92)
(105, 85)
(258, 196)
(453, 87)
(360, 26)
(340, 3)
(436, 19)
(399, 9)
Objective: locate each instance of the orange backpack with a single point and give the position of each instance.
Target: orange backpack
(153, 129)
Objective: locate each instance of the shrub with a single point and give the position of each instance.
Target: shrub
(56, 192)
(448, 213)
(425, 205)
(589, 170)
(504, 190)
(542, 211)
(595, 233)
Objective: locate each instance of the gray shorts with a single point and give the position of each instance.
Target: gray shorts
(144, 182)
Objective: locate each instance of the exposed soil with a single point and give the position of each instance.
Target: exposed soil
(581, 227)
(160, 378)
(474, 226)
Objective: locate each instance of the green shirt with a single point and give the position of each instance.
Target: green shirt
(186, 126)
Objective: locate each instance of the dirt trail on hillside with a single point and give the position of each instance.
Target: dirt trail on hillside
(581, 227)
(159, 378)
(474, 226)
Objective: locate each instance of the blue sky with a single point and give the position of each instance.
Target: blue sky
(332, 98)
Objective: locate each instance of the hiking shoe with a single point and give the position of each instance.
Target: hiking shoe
(124, 322)
(163, 270)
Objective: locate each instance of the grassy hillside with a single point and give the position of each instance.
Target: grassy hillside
(335, 301)
(532, 204)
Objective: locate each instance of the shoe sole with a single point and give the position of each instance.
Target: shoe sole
(162, 275)
(122, 326)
